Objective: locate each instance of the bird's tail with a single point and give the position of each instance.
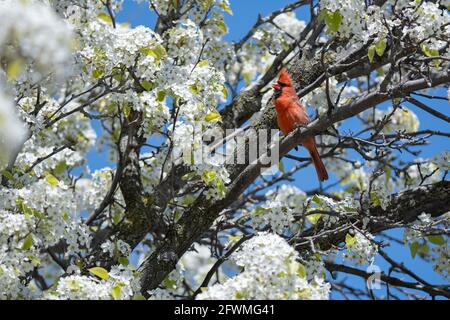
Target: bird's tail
(322, 173)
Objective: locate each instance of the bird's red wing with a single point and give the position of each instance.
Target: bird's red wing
(298, 113)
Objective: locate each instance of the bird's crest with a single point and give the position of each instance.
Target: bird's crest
(285, 79)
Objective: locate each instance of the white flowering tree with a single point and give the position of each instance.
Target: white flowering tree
(159, 224)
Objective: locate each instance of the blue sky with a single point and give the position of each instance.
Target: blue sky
(245, 14)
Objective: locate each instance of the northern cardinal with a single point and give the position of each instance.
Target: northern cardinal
(291, 113)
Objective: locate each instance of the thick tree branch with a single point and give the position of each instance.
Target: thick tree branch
(430, 289)
(403, 209)
(426, 108)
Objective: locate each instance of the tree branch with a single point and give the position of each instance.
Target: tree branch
(430, 289)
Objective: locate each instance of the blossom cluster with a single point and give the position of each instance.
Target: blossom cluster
(441, 260)
(350, 18)
(30, 52)
(418, 236)
(120, 283)
(271, 271)
(281, 33)
(324, 203)
(279, 209)
(344, 17)
(400, 120)
(33, 223)
(318, 97)
(360, 248)
(37, 48)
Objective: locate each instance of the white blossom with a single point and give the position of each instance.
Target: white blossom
(360, 248)
(271, 271)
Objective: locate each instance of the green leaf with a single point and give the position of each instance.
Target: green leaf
(115, 292)
(147, 52)
(188, 200)
(436, 239)
(225, 92)
(388, 175)
(26, 210)
(225, 7)
(194, 89)
(321, 16)
(414, 247)
(222, 26)
(371, 53)
(188, 176)
(117, 74)
(259, 211)
(281, 166)
(314, 218)
(374, 199)
(234, 239)
(169, 283)
(160, 96)
(206, 4)
(51, 179)
(316, 199)
(104, 17)
(213, 116)
(220, 187)
(34, 260)
(60, 168)
(380, 47)
(14, 68)
(203, 63)
(158, 52)
(28, 242)
(301, 271)
(97, 73)
(116, 218)
(117, 77)
(126, 110)
(293, 267)
(8, 175)
(247, 77)
(209, 176)
(149, 199)
(429, 52)
(139, 297)
(333, 20)
(147, 85)
(124, 261)
(99, 272)
(424, 249)
(349, 240)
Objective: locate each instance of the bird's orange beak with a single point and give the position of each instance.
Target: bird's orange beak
(276, 86)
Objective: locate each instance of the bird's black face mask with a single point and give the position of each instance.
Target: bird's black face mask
(277, 89)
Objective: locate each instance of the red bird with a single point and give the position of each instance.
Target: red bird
(291, 113)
